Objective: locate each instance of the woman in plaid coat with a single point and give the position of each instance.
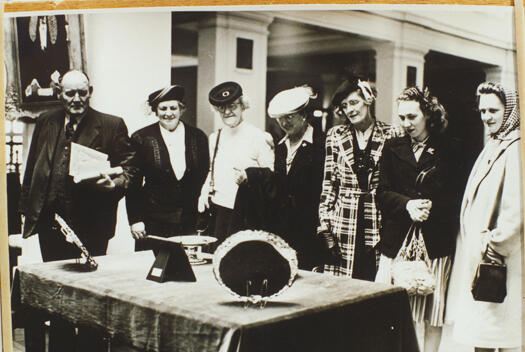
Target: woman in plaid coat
(349, 219)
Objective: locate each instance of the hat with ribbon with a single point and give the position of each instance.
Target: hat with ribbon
(174, 92)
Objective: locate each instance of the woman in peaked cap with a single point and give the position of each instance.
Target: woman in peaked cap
(233, 148)
(172, 162)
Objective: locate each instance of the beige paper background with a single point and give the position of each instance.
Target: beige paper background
(26, 6)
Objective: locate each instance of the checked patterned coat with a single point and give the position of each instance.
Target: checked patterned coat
(338, 209)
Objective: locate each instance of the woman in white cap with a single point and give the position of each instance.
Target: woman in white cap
(233, 148)
(349, 219)
(172, 162)
(299, 162)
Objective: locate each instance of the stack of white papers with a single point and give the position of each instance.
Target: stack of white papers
(86, 163)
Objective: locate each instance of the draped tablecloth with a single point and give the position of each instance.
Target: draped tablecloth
(318, 313)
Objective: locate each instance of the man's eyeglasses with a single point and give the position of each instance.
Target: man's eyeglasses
(81, 93)
(229, 107)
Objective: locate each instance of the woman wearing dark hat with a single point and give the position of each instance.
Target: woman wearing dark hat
(290, 195)
(351, 176)
(172, 161)
(233, 148)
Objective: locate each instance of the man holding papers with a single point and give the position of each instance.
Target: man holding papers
(100, 142)
(89, 207)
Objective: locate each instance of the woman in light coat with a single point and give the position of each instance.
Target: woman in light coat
(233, 148)
(491, 227)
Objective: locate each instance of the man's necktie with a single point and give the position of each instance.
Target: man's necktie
(70, 128)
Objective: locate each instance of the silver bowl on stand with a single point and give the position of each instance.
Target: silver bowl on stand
(193, 246)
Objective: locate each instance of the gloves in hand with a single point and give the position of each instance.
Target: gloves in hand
(419, 209)
(334, 256)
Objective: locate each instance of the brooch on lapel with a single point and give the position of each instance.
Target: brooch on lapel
(431, 151)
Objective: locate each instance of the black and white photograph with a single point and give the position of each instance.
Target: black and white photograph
(264, 178)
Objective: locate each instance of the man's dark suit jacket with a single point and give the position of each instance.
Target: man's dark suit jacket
(93, 211)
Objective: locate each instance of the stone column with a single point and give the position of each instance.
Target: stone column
(392, 65)
(492, 73)
(505, 74)
(217, 56)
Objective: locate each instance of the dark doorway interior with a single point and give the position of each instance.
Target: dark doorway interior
(454, 81)
(187, 77)
(290, 71)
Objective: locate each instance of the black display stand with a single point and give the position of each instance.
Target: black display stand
(171, 263)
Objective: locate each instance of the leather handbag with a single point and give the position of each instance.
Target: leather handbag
(490, 282)
(205, 220)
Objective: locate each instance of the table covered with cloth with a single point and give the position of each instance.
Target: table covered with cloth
(318, 313)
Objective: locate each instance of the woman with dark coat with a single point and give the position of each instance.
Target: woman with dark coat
(172, 161)
(286, 201)
(421, 182)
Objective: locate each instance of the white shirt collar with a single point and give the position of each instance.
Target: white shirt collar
(363, 137)
(172, 134)
(366, 133)
(308, 136)
(175, 143)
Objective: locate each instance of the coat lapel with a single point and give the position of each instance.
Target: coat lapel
(280, 158)
(484, 169)
(164, 154)
(89, 129)
(404, 152)
(346, 146)
(378, 142)
(428, 156)
(54, 127)
(190, 146)
(303, 157)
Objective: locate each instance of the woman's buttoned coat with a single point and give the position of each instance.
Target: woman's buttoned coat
(157, 196)
(491, 212)
(442, 184)
(338, 210)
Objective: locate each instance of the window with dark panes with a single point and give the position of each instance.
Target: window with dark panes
(244, 53)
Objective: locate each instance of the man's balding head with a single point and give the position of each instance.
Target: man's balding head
(75, 92)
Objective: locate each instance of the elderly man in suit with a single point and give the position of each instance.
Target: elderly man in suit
(88, 207)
